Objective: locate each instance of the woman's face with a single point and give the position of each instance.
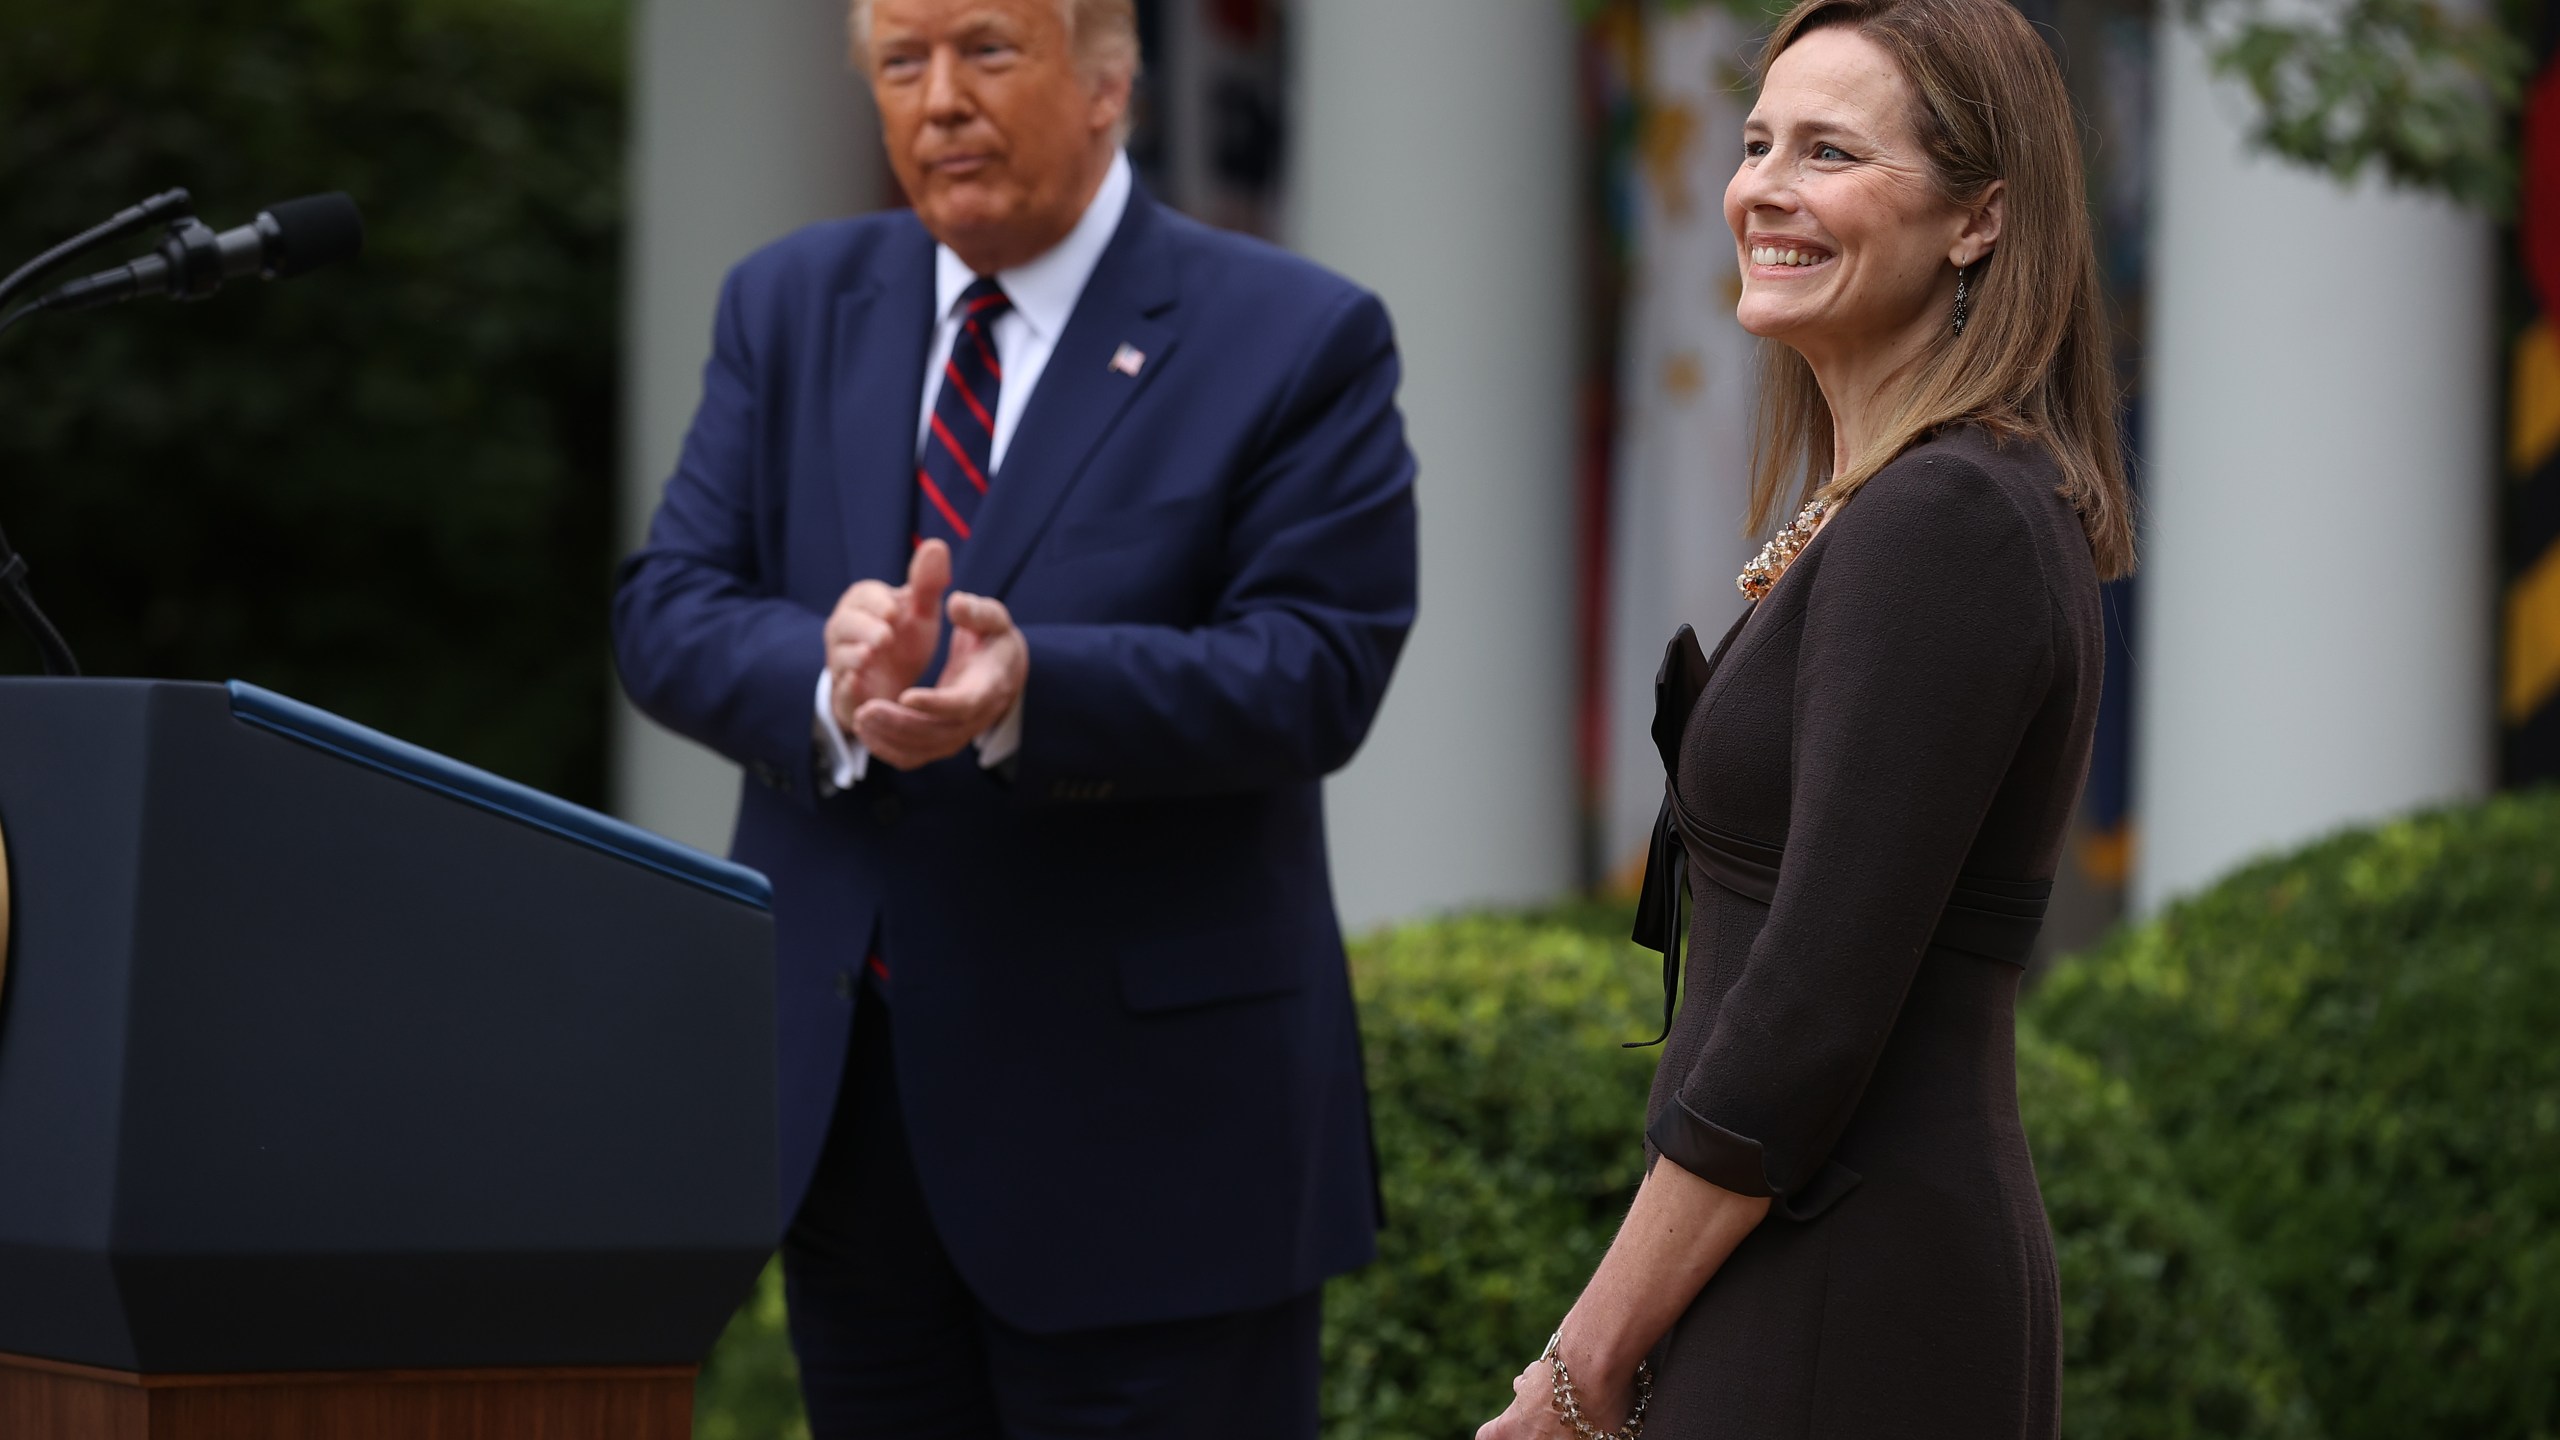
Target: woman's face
(1843, 238)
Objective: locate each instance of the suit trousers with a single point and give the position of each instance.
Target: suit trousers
(894, 1346)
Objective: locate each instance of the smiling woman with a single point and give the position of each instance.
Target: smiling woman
(1841, 1232)
(1910, 222)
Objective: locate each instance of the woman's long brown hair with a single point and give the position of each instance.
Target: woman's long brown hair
(2033, 362)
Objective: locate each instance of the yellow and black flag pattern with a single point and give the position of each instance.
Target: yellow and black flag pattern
(2529, 702)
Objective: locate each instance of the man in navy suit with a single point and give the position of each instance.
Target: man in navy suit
(1037, 553)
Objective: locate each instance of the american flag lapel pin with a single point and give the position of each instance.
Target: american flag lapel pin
(1128, 360)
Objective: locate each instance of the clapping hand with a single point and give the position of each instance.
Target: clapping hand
(981, 681)
(880, 639)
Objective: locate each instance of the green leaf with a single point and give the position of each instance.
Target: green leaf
(2419, 93)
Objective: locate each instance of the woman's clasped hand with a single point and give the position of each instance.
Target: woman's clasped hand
(1535, 1415)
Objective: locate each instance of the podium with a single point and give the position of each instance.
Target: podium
(347, 1091)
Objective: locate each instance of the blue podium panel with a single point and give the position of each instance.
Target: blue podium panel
(323, 1053)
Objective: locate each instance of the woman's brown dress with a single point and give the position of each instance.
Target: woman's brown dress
(1874, 786)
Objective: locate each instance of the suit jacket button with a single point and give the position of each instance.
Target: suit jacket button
(844, 984)
(765, 774)
(887, 809)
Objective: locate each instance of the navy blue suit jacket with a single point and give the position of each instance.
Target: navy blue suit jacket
(1126, 1047)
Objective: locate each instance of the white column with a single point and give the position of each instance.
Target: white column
(1435, 163)
(748, 122)
(2316, 592)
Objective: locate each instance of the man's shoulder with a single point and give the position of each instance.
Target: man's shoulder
(1229, 269)
(834, 255)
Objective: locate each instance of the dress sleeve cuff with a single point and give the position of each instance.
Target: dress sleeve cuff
(841, 759)
(1710, 1151)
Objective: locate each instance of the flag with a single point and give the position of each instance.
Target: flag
(2529, 678)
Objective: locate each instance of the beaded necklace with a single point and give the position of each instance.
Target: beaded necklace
(1758, 577)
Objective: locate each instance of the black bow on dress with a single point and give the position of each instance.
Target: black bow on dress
(1676, 687)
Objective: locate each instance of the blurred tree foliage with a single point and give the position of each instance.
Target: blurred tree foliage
(750, 1387)
(2422, 91)
(386, 488)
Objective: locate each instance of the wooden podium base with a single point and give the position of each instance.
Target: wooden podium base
(45, 1400)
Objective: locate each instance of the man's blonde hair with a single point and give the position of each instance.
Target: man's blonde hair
(1104, 33)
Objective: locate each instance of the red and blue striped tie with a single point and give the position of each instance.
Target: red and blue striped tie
(953, 473)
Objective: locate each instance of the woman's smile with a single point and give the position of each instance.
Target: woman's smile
(1780, 257)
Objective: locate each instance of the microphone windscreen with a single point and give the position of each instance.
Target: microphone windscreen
(313, 231)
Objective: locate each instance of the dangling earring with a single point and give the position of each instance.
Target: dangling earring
(1963, 295)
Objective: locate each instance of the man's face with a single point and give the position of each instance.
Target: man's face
(999, 137)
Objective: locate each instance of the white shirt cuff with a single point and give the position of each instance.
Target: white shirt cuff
(842, 759)
(999, 743)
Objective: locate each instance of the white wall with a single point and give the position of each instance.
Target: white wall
(1434, 161)
(748, 122)
(2315, 624)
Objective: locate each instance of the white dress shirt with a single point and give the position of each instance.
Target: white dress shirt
(1044, 292)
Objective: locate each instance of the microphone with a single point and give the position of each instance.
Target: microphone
(288, 239)
(167, 205)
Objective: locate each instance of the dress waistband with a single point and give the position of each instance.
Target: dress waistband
(1992, 919)
(1989, 919)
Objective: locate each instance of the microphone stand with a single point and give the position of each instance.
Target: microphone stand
(167, 205)
(15, 597)
(21, 604)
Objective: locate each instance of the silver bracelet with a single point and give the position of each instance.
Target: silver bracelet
(1569, 1404)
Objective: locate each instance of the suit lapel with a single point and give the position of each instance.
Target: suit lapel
(1081, 395)
(883, 332)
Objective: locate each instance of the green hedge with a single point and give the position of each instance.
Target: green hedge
(386, 488)
(2164, 1336)
(1509, 1120)
(1510, 1123)
(749, 1388)
(2352, 1054)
